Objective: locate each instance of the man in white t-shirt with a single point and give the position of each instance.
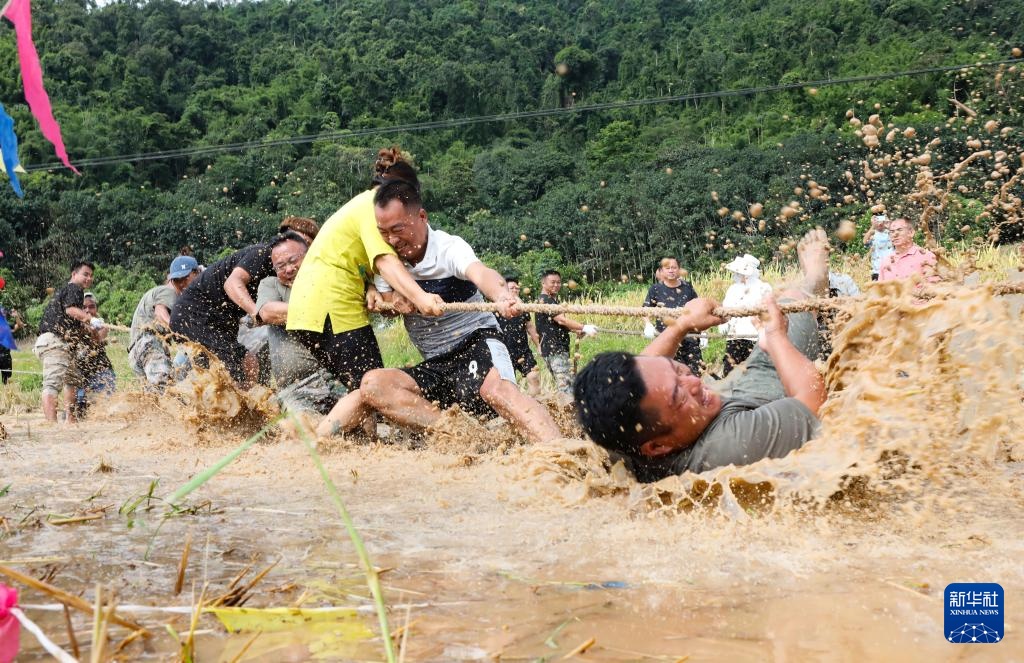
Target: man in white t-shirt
(465, 361)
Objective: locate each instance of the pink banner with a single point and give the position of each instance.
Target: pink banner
(9, 626)
(19, 13)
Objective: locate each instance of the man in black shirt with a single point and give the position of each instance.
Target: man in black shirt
(208, 311)
(518, 332)
(60, 332)
(671, 291)
(554, 333)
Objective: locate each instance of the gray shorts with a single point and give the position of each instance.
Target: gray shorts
(760, 381)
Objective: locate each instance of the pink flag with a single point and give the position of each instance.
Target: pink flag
(19, 13)
(9, 626)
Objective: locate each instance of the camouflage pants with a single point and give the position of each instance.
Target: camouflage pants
(149, 358)
(316, 393)
(561, 369)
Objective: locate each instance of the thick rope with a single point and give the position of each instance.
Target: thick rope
(809, 304)
(803, 305)
(626, 311)
(637, 332)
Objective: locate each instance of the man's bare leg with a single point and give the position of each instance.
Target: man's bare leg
(251, 369)
(812, 252)
(533, 382)
(70, 396)
(396, 395)
(50, 407)
(524, 413)
(347, 414)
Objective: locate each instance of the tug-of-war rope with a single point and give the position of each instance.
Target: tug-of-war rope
(799, 306)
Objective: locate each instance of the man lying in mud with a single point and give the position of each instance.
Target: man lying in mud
(663, 420)
(465, 360)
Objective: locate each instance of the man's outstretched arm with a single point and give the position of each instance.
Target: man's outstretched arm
(694, 317)
(492, 285)
(800, 379)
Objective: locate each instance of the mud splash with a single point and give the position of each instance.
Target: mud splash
(925, 404)
(210, 402)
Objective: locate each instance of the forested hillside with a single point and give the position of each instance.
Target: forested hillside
(602, 192)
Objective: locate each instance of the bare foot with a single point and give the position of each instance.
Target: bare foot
(369, 427)
(299, 425)
(813, 252)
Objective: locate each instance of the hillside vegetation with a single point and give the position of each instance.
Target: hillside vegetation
(602, 194)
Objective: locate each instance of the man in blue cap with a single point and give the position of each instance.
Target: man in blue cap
(147, 352)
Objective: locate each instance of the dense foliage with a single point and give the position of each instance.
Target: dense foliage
(603, 193)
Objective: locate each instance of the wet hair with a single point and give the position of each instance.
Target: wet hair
(287, 235)
(391, 166)
(300, 224)
(608, 392)
(80, 264)
(549, 272)
(398, 190)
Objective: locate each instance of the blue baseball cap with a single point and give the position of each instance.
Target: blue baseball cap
(182, 266)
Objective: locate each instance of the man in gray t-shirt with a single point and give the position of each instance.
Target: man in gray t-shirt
(147, 352)
(663, 420)
(302, 385)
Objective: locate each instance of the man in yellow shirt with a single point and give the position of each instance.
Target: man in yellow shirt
(327, 312)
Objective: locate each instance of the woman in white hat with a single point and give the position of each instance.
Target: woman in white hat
(747, 290)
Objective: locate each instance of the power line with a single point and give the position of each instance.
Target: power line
(505, 117)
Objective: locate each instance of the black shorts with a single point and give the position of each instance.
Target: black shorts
(455, 378)
(347, 355)
(522, 359)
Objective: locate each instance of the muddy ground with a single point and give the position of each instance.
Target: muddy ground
(490, 556)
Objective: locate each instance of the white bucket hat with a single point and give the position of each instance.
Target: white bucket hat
(745, 265)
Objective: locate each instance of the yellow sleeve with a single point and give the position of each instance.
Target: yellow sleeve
(373, 242)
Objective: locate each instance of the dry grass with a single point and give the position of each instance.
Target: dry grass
(15, 400)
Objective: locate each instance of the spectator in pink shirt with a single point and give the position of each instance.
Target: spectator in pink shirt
(908, 258)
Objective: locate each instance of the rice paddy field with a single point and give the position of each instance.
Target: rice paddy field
(488, 549)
